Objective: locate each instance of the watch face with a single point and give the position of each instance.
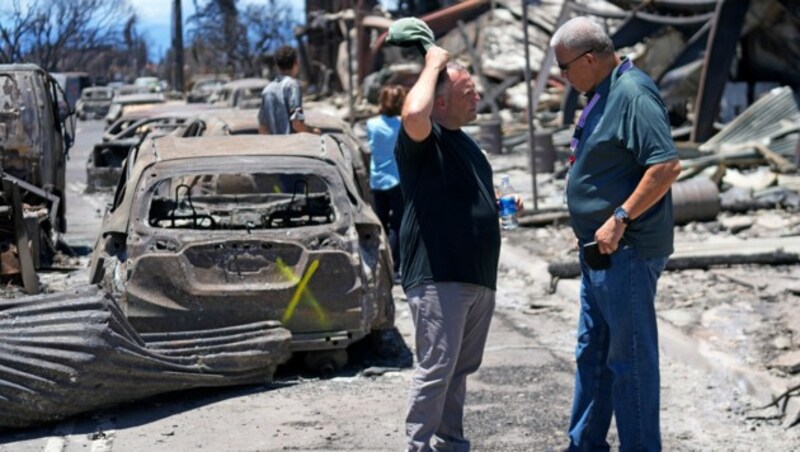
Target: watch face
(621, 215)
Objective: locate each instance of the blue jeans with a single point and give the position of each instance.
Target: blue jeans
(617, 355)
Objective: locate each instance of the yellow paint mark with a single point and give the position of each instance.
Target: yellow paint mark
(276, 189)
(302, 291)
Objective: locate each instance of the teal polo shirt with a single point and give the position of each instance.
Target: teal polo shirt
(626, 132)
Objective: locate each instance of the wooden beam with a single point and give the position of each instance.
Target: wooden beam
(29, 278)
(720, 51)
(694, 47)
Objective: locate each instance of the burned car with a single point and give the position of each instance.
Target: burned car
(243, 93)
(203, 88)
(34, 140)
(220, 122)
(214, 232)
(94, 103)
(104, 165)
(131, 96)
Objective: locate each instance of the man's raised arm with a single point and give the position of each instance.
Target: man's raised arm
(418, 106)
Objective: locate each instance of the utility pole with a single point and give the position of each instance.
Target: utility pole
(177, 46)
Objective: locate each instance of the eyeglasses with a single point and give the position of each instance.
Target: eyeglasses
(565, 66)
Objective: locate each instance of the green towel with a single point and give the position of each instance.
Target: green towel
(410, 31)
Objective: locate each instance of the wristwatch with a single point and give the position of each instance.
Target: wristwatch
(621, 215)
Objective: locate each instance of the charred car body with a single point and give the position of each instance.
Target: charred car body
(219, 257)
(203, 88)
(33, 147)
(131, 96)
(215, 232)
(94, 103)
(243, 93)
(104, 165)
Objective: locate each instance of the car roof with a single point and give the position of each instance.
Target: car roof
(20, 67)
(233, 119)
(246, 83)
(324, 121)
(175, 148)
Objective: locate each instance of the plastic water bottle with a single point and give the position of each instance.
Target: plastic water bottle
(508, 205)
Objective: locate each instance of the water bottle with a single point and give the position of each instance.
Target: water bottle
(508, 205)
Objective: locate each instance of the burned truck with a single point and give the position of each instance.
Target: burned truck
(33, 151)
(214, 232)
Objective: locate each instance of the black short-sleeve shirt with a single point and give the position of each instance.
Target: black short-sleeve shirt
(450, 230)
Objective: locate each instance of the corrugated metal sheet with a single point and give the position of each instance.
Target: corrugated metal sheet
(62, 354)
(772, 120)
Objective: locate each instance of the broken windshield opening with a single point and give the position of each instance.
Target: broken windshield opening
(241, 201)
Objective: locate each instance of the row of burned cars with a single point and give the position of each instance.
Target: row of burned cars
(109, 103)
(221, 255)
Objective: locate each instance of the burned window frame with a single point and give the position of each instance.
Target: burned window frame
(341, 200)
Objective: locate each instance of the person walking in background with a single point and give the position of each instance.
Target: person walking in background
(622, 166)
(384, 179)
(281, 111)
(450, 242)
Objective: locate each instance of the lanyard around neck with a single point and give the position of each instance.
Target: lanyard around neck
(576, 136)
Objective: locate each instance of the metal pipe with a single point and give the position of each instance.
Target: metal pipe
(531, 143)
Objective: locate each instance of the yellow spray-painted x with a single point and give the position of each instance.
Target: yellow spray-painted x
(302, 291)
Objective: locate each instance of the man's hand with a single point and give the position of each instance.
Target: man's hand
(518, 202)
(437, 57)
(656, 181)
(608, 235)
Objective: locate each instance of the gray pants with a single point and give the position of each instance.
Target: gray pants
(451, 322)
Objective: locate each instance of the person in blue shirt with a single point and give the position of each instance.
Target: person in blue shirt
(622, 166)
(384, 179)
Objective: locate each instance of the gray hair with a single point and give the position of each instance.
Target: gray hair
(582, 33)
(441, 80)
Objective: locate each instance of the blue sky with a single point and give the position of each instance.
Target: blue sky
(155, 17)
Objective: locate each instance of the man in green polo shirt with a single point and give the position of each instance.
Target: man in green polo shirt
(622, 166)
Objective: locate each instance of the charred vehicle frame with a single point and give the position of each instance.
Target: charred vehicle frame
(213, 232)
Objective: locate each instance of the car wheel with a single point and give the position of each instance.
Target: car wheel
(326, 362)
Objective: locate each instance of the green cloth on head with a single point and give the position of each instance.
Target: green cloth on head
(410, 31)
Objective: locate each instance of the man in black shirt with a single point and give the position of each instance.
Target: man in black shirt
(450, 241)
